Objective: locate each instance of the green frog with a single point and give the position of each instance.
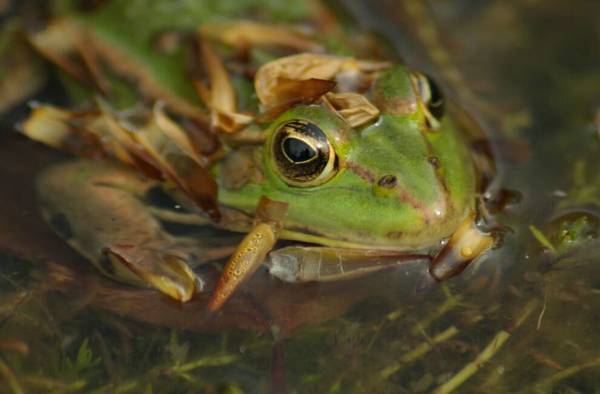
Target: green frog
(353, 160)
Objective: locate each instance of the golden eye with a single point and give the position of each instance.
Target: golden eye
(302, 153)
(431, 98)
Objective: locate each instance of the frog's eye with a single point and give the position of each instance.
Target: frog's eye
(431, 97)
(302, 153)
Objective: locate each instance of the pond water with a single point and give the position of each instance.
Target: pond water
(524, 318)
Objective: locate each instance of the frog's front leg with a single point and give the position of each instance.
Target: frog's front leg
(325, 264)
(98, 208)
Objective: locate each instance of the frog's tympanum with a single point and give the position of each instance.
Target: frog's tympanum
(253, 128)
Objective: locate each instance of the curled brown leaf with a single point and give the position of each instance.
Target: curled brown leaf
(354, 108)
(307, 66)
(63, 130)
(289, 92)
(146, 140)
(220, 98)
(66, 44)
(168, 146)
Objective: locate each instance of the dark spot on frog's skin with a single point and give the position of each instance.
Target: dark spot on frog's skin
(388, 181)
(105, 263)
(180, 229)
(157, 197)
(434, 161)
(61, 225)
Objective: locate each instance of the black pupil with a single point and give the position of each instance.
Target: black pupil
(297, 150)
(436, 104)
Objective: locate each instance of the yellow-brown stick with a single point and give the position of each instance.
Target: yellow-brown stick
(251, 252)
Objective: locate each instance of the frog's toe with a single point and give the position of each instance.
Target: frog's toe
(168, 273)
(174, 278)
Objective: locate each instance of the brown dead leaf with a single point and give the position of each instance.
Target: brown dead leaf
(306, 66)
(62, 130)
(146, 140)
(57, 43)
(116, 139)
(48, 125)
(230, 122)
(177, 159)
(220, 98)
(66, 44)
(248, 34)
(355, 108)
(221, 94)
(85, 56)
(176, 134)
(290, 92)
(21, 72)
(88, 134)
(303, 91)
(121, 64)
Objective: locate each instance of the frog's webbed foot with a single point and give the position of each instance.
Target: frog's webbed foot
(165, 271)
(99, 208)
(467, 244)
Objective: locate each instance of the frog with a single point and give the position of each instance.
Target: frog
(358, 169)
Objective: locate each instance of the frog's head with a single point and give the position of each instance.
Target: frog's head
(404, 181)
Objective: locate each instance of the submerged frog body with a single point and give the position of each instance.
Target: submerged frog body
(369, 173)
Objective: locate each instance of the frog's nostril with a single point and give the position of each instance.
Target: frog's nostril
(434, 161)
(388, 181)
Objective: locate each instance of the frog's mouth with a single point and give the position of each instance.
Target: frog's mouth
(448, 259)
(315, 258)
(335, 260)
(237, 220)
(309, 237)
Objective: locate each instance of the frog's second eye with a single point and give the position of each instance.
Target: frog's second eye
(302, 153)
(430, 95)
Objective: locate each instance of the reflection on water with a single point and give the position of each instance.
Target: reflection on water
(525, 319)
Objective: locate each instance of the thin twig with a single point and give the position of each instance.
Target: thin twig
(486, 354)
(545, 385)
(541, 238)
(205, 362)
(178, 370)
(417, 352)
(449, 304)
(47, 384)
(541, 316)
